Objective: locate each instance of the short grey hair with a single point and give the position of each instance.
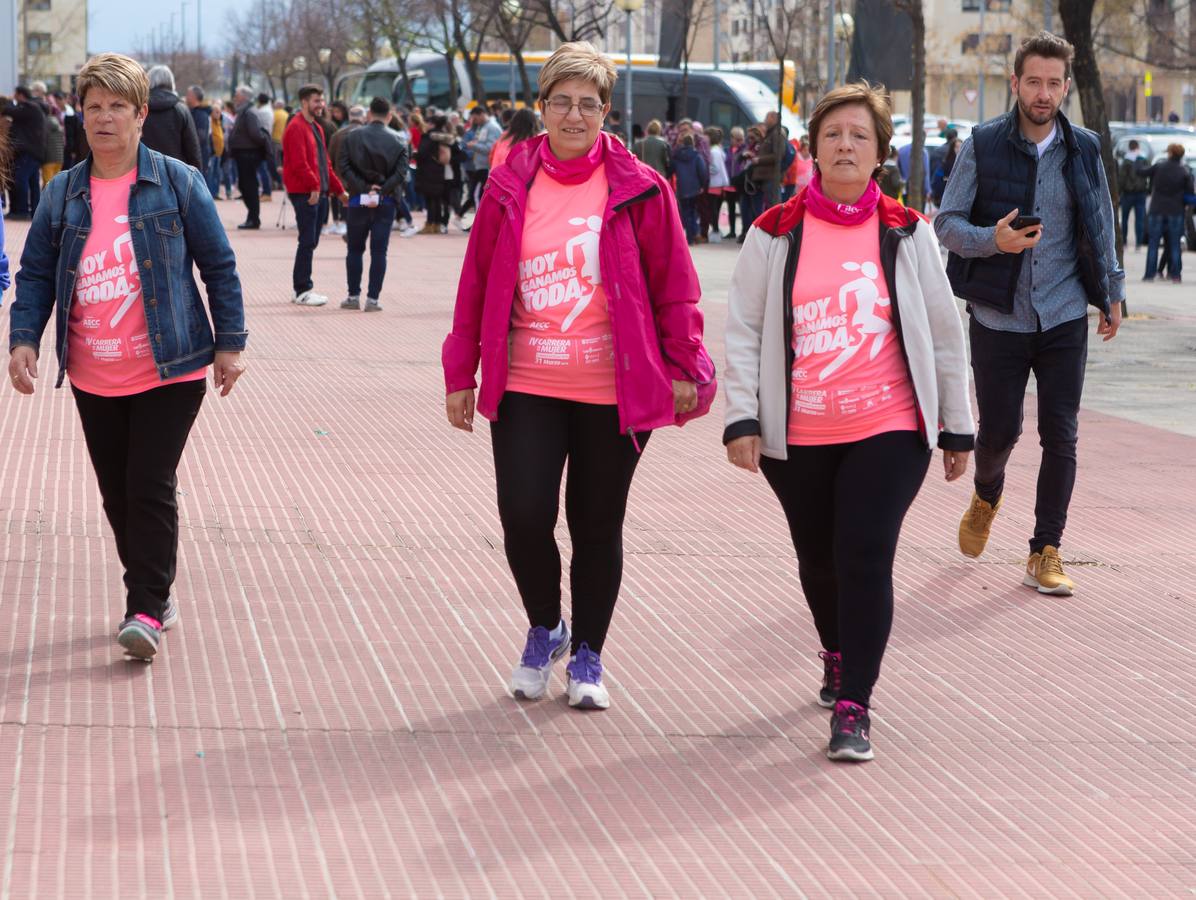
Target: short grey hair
(357, 113)
(197, 91)
(244, 90)
(160, 77)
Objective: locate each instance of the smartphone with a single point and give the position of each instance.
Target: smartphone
(1021, 222)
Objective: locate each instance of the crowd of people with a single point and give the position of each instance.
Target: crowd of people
(847, 362)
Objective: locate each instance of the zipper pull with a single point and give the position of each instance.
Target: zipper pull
(634, 442)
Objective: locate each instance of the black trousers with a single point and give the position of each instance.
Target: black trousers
(308, 220)
(370, 223)
(438, 203)
(248, 163)
(135, 444)
(1001, 365)
(532, 438)
(845, 504)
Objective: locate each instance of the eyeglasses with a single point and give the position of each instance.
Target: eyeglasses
(587, 106)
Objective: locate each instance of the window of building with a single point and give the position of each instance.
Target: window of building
(38, 5)
(37, 42)
(996, 6)
(734, 28)
(993, 43)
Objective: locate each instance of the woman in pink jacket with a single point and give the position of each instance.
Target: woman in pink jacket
(579, 299)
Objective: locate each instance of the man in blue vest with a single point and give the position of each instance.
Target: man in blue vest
(1028, 289)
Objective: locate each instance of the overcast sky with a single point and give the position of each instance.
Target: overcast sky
(123, 25)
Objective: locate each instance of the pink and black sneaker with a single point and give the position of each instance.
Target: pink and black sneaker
(832, 678)
(140, 635)
(850, 733)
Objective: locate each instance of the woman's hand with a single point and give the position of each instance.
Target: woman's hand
(22, 369)
(226, 370)
(955, 463)
(745, 452)
(459, 406)
(685, 396)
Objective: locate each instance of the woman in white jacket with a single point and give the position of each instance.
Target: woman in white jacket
(845, 366)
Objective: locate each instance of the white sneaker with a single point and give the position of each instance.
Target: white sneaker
(342, 228)
(444, 229)
(459, 221)
(583, 680)
(408, 230)
(715, 237)
(330, 228)
(530, 679)
(309, 298)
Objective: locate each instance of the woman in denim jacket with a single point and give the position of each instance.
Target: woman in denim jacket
(111, 249)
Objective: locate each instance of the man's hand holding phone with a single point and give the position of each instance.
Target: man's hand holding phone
(1016, 233)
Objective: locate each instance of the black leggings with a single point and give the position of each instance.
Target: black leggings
(532, 438)
(135, 444)
(845, 504)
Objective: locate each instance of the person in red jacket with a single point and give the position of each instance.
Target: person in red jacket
(308, 179)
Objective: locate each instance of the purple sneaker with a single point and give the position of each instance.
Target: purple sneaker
(140, 636)
(529, 681)
(583, 680)
(832, 678)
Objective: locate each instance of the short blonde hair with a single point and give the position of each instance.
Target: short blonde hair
(873, 98)
(116, 73)
(581, 61)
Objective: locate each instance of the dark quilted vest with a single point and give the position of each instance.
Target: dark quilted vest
(1005, 179)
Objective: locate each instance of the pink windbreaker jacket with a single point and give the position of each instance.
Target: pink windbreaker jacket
(651, 288)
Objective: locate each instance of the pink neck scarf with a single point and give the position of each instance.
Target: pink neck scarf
(572, 171)
(822, 206)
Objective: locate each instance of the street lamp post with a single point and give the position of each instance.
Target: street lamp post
(629, 6)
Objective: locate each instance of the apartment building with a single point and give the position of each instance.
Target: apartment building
(53, 41)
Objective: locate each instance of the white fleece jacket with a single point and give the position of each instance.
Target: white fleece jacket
(755, 376)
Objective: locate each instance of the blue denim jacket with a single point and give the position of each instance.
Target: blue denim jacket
(173, 223)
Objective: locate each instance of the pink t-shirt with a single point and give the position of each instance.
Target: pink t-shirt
(108, 349)
(850, 380)
(561, 343)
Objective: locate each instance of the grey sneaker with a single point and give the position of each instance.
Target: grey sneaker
(372, 305)
(170, 617)
(140, 635)
(351, 303)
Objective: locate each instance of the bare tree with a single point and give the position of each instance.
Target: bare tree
(693, 16)
(514, 24)
(1077, 27)
(916, 190)
(571, 21)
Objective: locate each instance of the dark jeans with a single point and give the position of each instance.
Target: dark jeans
(438, 206)
(1136, 203)
(750, 207)
(308, 217)
(265, 177)
(845, 504)
(1001, 365)
(1170, 229)
(135, 444)
(26, 188)
(211, 175)
(732, 199)
(689, 216)
(247, 165)
(532, 438)
(372, 222)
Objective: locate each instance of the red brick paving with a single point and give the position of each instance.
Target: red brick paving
(329, 718)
